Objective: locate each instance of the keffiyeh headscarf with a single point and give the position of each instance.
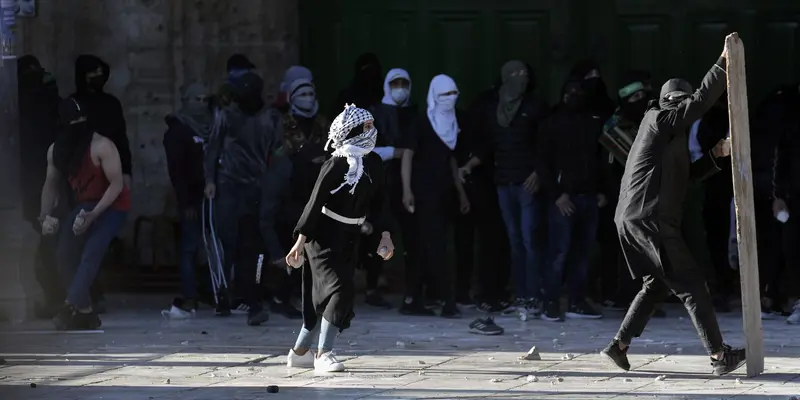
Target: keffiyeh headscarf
(348, 140)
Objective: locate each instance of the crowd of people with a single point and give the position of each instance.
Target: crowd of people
(530, 189)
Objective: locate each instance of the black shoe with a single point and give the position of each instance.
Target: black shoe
(416, 308)
(376, 300)
(485, 326)
(619, 357)
(731, 360)
(256, 317)
(552, 312)
(285, 308)
(223, 306)
(85, 322)
(450, 310)
(518, 304)
(488, 307)
(659, 313)
(615, 305)
(583, 310)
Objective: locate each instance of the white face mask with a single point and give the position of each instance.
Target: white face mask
(400, 95)
(447, 103)
(305, 102)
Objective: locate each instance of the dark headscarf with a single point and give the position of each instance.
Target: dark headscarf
(673, 92)
(597, 99)
(247, 93)
(73, 139)
(511, 92)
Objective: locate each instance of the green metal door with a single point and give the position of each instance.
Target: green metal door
(470, 39)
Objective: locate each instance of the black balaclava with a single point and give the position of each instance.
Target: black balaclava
(237, 66)
(29, 71)
(635, 82)
(574, 95)
(367, 79)
(597, 99)
(247, 91)
(673, 92)
(73, 139)
(85, 64)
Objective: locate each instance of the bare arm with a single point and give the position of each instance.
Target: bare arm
(456, 177)
(112, 168)
(405, 170)
(50, 188)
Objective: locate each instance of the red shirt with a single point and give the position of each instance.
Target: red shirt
(89, 184)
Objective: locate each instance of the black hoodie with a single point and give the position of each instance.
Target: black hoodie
(105, 114)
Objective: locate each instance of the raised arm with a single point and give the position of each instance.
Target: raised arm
(712, 86)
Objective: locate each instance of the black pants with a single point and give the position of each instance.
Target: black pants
(770, 255)
(236, 215)
(615, 282)
(671, 269)
(431, 266)
(370, 260)
(485, 223)
(716, 217)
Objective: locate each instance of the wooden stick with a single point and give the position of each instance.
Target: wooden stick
(745, 208)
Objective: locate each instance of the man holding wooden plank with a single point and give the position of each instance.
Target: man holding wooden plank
(648, 217)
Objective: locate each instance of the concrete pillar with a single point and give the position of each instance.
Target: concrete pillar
(17, 238)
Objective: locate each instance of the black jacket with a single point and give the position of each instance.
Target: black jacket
(184, 150)
(570, 158)
(240, 145)
(513, 149)
(775, 148)
(104, 111)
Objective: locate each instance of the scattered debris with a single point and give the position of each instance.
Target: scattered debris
(738, 381)
(33, 385)
(167, 381)
(679, 349)
(213, 376)
(272, 389)
(401, 345)
(661, 378)
(533, 355)
(568, 356)
(532, 378)
(555, 341)
(495, 380)
(421, 362)
(563, 333)
(353, 343)
(204, 333)
(491, 358)
(185, 342)
(627, 380)
(420, 373)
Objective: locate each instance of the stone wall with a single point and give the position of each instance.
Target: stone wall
(154, 47)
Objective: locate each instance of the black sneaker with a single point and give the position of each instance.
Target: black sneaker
(519, 303)
(85, 322)
(552, 312)
(450, 310)
(731, 360)
(376, 300)
(488, 307)
(256, 317)
(534, 307)
(285, 308)
(485, 326)
(223, 306)
(415, 308)
(583, 310)
(619, 357)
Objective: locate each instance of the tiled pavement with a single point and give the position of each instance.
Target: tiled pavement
(388, 356)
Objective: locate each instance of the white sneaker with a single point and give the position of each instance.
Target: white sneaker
(328, 363)
(293, 360)
(794, 319)
(176, 313)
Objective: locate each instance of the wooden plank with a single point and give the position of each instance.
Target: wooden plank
(745, 209)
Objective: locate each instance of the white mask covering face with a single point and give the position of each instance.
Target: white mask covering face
(400, 95)
(448, 102)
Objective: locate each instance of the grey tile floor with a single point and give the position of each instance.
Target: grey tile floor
(142, 356)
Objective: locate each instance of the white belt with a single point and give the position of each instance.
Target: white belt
(345, 220)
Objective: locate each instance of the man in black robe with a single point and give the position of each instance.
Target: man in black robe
(649, 213)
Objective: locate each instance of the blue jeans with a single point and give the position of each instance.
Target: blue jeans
(191, 238)
(521, 214)
(80, 257)
(571, 241)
